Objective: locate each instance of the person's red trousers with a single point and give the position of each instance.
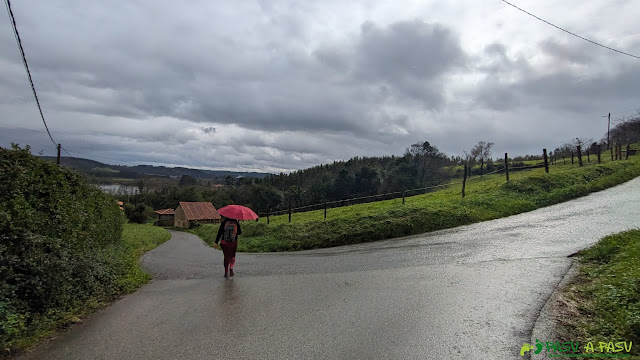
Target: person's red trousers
(229, 251)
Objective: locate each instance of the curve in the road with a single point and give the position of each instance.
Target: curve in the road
(471, 292)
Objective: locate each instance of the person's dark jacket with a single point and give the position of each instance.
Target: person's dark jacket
(223, 224)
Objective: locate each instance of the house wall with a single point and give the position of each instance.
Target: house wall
(165, 220)
(180, 219)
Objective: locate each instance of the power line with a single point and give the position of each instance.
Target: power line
(569, 32)
(33, 88)
(75, 160)
(26, 65)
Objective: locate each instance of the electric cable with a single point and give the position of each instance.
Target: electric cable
(569, 32)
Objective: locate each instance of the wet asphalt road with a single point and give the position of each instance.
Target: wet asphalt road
(472, 292)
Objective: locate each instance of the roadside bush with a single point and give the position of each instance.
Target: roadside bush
(55, 234)
(136, 214)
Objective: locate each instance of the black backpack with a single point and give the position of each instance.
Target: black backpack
(230, 232)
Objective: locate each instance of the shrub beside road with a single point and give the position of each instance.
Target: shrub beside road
(64, 248)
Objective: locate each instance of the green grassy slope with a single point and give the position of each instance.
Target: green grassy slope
(487, 197)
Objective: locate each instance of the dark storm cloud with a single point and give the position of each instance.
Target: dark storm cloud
(497, 96)
(272, 86)
(383, 64)
(581, 92)
(576, 92)
(495, 61)
(571, 53)
(571, 78)
(335, 87)
(292, 83)
(407, 51)
(400, 62)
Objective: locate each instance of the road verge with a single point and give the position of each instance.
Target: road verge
(597, 302)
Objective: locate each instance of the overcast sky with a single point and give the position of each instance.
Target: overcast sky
(273, 85)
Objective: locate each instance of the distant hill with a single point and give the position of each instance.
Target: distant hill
(79, 164)
(99, 169)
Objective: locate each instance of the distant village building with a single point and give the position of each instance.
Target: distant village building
(165, 217)
(189, 212)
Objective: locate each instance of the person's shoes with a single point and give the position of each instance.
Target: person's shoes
(230, 272)
(227, 275)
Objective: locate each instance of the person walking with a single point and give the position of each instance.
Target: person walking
(228, 238)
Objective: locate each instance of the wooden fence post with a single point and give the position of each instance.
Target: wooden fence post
(546, 160)
(402, 196)
(611, 148)
(572, 158)
(620, 152)
(506, 165)
(599, 151)
(626, 157)
(579, 150)
(464, 180)
(588, 155)
(289, 209)
(325, 209)
(267, 214)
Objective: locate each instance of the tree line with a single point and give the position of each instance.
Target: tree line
(422, 165)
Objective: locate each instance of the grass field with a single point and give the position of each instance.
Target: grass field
(487, 197)
(602, 304)
(136, 240)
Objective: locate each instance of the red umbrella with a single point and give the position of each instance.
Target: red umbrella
(237, 212)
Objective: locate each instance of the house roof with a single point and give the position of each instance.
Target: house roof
(165, 212)
(199, 210)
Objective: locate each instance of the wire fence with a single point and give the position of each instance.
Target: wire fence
(330, 204)
(545, 163)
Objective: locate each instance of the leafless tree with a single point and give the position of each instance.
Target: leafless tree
(481, 152)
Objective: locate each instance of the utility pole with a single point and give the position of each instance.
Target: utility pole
(608, 130)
